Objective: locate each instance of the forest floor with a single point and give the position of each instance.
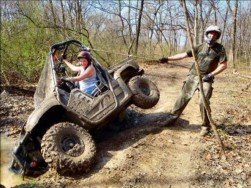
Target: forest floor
(146, 152)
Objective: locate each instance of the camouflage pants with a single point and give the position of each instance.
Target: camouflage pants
(190, 86)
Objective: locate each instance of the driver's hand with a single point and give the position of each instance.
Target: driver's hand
(59, 82)
(64, 56)
(67, 79)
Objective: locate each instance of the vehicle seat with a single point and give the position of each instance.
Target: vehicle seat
(102, 84)
(100, 88)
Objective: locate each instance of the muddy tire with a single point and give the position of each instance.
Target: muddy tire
(68, 148)
(145, 92)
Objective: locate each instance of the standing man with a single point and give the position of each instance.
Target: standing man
(212, 60)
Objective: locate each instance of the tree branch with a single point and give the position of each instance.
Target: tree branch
(64, 28)
(205, 101)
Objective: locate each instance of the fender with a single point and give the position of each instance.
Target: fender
(39, 111)
(129, 62)
(127, 70)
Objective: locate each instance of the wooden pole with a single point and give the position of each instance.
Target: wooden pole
(205, 101)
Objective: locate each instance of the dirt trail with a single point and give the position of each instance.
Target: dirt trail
(146, 153)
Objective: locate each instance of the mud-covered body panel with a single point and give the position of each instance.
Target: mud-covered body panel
(38, 113)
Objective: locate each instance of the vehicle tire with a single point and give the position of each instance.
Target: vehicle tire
(145, 92)
(68, 148)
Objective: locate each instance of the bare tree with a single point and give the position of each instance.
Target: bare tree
(224, 24)
(122, 23)
(63, 17)
(139, 26)
(196, 22)
(234, 29)
(53, 13)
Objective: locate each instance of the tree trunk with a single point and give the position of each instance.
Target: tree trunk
(53, 14)
(139, 26)
(63, 17)
(224, 26)
(70, 9)
(196, 23)
(122, 23)
(129, 21)
(79, 20)
(234, 33)
(202, 24)
(234, 29)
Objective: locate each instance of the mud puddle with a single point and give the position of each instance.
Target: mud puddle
(8, 178)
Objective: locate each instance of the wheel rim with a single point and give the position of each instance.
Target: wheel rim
(144, 88)
(72, 146)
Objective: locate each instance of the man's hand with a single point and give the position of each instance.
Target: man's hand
(208, 78)
(163, 60)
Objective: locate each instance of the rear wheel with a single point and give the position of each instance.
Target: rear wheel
(145, 92)
(68, 148)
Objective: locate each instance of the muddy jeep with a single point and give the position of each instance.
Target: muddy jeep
(57, 133)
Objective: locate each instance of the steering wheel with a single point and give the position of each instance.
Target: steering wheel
(69, 84)
(66, 85)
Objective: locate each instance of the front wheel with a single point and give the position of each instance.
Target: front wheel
(68, 148)
(145, 92)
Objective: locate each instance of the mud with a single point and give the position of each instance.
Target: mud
(8, 178)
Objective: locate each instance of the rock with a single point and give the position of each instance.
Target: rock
(171, 141)
(208, 157)
(129, 155)
(227, 183)
(243, 176)
(216, 156)
(203, 172)
(223, 158)
(4, 94)
(239, 169)
(239, 185)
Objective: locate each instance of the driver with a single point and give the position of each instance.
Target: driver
(86, 73)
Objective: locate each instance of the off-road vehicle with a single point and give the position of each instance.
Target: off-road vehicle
(57, 133)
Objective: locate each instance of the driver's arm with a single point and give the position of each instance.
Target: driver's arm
(71, 66)
(87, 73)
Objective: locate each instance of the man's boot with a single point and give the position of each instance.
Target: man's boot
(204, 131)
